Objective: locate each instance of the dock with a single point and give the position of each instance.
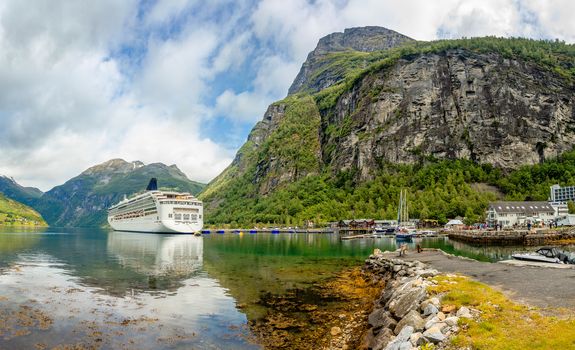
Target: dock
(515, 237)
(268, 230)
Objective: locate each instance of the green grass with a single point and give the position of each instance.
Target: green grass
(17, 214)
(503, 324)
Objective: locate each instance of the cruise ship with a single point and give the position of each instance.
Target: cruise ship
(158, 211)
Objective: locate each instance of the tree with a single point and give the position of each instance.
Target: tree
(571, 207)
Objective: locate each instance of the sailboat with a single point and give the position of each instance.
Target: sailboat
(403, 232)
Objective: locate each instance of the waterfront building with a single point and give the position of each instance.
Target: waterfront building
(562, 194)
(558, 198)
(508, 214)
(357, 224)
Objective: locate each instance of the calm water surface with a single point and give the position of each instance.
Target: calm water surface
(120, 290)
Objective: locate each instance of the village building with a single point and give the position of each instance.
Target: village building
(454, 224)
(357, 224)
(509, 214)
(558, 198)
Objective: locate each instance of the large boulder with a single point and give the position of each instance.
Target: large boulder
(412, 319)
(408, 301)
(402, 337)
(434, 335)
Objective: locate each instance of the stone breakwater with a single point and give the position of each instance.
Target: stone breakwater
(513, 237)
(405, 316)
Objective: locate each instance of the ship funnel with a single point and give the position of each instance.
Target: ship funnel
(153, 185)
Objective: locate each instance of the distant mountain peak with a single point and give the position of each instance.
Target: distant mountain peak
(116, 165)
(364, 39)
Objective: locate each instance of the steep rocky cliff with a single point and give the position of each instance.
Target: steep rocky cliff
(452, 104)
(500, 102)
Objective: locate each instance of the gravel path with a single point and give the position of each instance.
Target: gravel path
(533, 285)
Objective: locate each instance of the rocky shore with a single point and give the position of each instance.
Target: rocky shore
(405, 315)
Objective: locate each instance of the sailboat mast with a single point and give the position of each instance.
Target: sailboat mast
(399, 207)
(406, 208)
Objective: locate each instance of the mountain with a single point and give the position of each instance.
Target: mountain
(372, 111)
(11, 189)
(322, 67)
(83, 200)
(18, 214)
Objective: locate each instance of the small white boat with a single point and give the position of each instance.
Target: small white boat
(545, 254)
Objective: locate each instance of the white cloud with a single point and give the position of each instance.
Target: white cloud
(555, 19)
(245, 106)
(233, 53)
(175, 71)
(173, 142)
(71, 97)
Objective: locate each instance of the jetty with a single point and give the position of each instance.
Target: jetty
(515, 237)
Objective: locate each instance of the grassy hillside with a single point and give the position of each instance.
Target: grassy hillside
(18, 214)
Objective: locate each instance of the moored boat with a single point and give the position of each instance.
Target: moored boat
(547, 255)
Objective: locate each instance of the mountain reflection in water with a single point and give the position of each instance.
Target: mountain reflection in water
(94, 289)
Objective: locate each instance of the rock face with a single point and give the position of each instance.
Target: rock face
(83, 200)
(457, 104)
(364, 39)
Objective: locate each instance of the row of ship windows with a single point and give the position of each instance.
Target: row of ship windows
(132, 215)
(133, 210)
(185, 217)
(142, 204)
(197, 204)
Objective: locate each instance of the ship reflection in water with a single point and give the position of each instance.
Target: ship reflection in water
(94, 289)
(170, 259)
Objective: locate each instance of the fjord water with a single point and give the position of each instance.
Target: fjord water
(147, 291)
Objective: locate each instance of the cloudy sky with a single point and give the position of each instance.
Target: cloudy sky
(184, 81)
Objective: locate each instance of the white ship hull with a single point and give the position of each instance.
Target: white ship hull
(155, 226)
(158, 212)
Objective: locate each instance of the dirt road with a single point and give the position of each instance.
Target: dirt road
(537, 286)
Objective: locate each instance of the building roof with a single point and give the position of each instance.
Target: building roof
(521, 207)
(454, 222)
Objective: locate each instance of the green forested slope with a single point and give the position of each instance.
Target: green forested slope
(18, 214)
(437, 189)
